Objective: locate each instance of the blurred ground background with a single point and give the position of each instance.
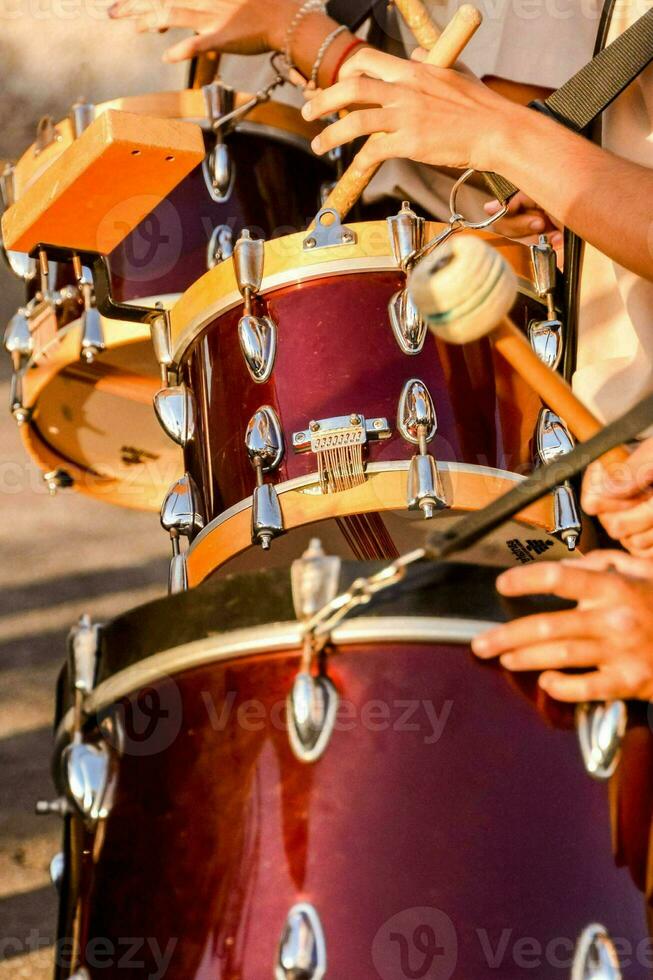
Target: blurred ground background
(65, 555)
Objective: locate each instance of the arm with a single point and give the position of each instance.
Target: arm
(445, 118)
(240, 27)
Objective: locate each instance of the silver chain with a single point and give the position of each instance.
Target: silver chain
(360, 592)
(457, 222)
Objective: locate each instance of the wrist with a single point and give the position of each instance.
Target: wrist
(278, 31)
(496, 147)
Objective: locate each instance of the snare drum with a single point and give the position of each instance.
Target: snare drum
(305, 399)
(92, 425)
(448, 827)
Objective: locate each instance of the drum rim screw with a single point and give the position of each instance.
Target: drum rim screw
(314, 426)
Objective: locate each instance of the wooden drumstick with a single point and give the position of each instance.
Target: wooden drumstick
(443, 54)
(419, 22)
(465, 292)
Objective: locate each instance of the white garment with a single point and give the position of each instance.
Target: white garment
(615, 340)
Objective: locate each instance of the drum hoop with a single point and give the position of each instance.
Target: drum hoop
(288, 263)
(312, 480)
(272, 638)
(229, 534)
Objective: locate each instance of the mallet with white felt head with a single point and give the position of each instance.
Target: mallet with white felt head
(465, 291)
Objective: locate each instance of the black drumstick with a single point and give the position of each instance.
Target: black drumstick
(474, 526)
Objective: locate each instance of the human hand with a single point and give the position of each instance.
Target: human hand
(525, 220)
(235, 26)
(431, 115)
(622, 499)
(609, 635)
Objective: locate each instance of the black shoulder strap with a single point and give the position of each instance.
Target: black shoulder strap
(353, 13)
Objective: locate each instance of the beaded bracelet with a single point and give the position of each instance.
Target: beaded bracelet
(308, 7)
(324, 47)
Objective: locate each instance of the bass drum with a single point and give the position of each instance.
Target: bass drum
(433, 819)
(91, 425)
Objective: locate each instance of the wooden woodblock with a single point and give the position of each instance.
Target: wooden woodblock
(104, 184)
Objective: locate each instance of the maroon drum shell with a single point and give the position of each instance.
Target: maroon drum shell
(337, 355)
(495, 825)
(276, 191)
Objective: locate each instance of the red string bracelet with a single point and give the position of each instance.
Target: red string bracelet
(343, 57)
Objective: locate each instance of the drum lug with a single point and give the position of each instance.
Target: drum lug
(546, 336)
(18, 339)
(86, 771)
(417, 423)
(601, 727)
(249, 258)
(312, 709)
(81, 974)
(161, 341)
(82, 115)
(92, 335)
(267, 519)
(595, 957)
(264, 439)
(567, 522)
(57, 870)
(177, 574)
(177, 413)
(302, 950)
(58, 479)
(329, 231)
(219, 173)
(219, 100)
(416, 411)
(408, 326)
(553, 440)
(264, 444)
(182, 515)
(425, 490)
(258, 342)
(406, 235)
(407, 238)
(83, 650)
(20, 412)
(19, 345)
(314, 578)
(220, 246)
(182, 511)
(92, 342)
(543, 259)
